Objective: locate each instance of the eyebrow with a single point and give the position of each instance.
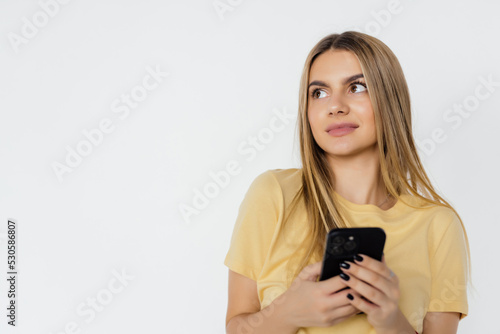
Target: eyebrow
(346, 80)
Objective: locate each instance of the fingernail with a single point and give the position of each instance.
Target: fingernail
(345, 265)
(344, 276)
(350, 297)
(358, 258)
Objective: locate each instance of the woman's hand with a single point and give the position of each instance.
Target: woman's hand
(379, 287)
(310, 303)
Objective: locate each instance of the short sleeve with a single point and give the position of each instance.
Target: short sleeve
(255, 226)
(449, 269)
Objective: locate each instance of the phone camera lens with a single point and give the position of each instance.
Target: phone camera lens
(338, 240)
(349, 245)
(337, 250)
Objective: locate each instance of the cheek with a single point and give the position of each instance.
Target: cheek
(314, 121)
(311, 118)
(366, 112)
(370, 122)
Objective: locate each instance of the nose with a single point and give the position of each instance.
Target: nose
(337, 106)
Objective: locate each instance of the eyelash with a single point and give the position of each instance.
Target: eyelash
(354, 83)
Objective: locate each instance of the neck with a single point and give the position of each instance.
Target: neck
(357, 178)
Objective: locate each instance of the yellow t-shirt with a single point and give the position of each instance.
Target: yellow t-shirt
(425, 248)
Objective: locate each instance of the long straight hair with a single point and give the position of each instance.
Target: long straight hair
(400, 166)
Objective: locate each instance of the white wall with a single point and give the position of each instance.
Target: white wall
(119, 207)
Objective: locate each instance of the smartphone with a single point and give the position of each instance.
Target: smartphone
(343, 243)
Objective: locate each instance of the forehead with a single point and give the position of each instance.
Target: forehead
(334, 66)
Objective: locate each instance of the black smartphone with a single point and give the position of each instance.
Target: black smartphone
(343, 243)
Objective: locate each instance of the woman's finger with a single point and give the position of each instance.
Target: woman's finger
(360, 303)
(368, 291)
(386, 285)
(374, 265)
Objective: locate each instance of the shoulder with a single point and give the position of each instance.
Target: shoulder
(286, 180)
(438, 220)
(439, 215)
(446, 229)
(280, 185)
(442, 219)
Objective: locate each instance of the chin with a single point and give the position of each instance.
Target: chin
(348, 151)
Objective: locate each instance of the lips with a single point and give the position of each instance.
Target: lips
(341, 125)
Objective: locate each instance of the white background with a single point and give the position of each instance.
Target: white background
(119, 208)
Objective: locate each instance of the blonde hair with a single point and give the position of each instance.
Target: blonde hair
(400, 165)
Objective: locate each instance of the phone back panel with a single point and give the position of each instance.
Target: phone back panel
(343, 243)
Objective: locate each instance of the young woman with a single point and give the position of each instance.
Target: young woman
(360, 168)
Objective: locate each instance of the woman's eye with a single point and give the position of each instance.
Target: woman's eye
(359, 88)
(315, 93)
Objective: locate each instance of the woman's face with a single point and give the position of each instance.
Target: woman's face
(337, 96)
